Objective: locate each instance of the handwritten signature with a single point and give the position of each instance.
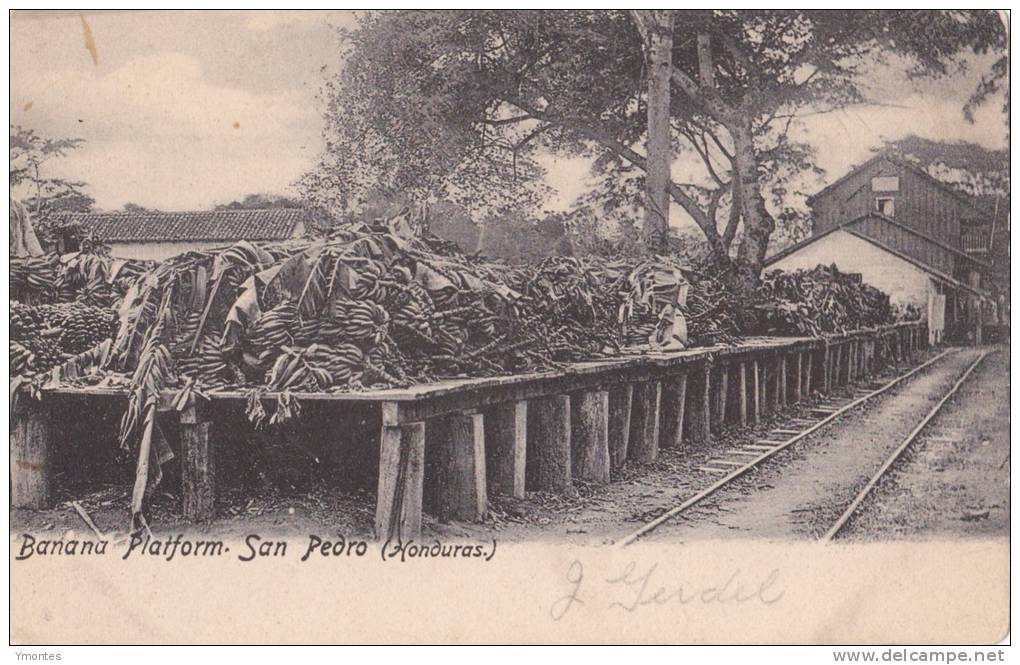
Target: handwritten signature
(635, 587)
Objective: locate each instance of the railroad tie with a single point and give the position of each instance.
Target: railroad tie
(725, 462)
(748, 453)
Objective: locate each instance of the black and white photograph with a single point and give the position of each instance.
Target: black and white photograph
(510, 326)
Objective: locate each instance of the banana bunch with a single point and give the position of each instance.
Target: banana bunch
(35, 274)
(21, 358)
(363, 321)
(209, 366)
(342, 362)
(275, 328)
(293, 371)
(85, 326)
(368, 283)
(25, 320)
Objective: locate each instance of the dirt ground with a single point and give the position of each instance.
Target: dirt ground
(804, 489)
(790, 496)
(954, 481)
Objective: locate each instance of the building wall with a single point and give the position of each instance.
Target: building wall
(158, 251)
(920, 203)
(905, 283)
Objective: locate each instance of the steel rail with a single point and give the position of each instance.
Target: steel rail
(844, 519)
(650, 526)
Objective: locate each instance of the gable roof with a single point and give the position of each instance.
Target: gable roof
(898, 161)
(846, 226)
(207, 225)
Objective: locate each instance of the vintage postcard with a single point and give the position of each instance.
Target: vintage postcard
(510, 326)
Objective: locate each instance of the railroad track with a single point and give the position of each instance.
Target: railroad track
(735, 462)
(840, 525)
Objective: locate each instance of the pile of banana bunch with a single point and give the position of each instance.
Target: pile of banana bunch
(85, 326)
(45, 335)
(34, 345)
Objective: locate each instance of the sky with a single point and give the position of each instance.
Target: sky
(189, 109)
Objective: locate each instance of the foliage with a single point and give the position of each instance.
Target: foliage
(463, 104)
(818, 301)
(44, 194)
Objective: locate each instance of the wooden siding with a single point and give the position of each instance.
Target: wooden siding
(908, 243)
(920, 204)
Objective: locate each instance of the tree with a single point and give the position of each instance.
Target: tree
(138, 209)
(656, 29)
(260, 202)
(43, 194)
(462, 103)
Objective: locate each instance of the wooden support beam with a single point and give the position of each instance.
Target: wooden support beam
(706, 405)
(401, 482)
(31, 454)
(826, 367)
(775, 385)
(672, 407)
(838, 367)
(742, 393)
(699, 387)
(756, 390)
(620, 399)
(458, 443)
(782, 382)
(644, 425)
(808, 373)
(506, 445)
(798, 382)
(198, 467)
(549, 443)
(722, 387)
(589, 422)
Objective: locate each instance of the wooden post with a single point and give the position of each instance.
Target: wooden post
(756, 391)
(620, 400)
(837, 358)
(549, 443)
(644, 424)
(31, 455)
(506, 445)
(807, 374)
(722, 386)
(742, 394)
(783, 385)
(198, 468)
(706, 408)
(798, 383)
(589, 422)
(776, 385)
(826, 374)
(401, 482)
(458, 440)
(698, 425)
(673, 405)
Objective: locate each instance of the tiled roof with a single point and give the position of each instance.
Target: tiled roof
(219, 225)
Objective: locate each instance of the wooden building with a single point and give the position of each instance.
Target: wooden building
(908, 234)
(156, 236)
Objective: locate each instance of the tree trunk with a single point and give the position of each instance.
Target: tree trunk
(758, 223)
(657, 29)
